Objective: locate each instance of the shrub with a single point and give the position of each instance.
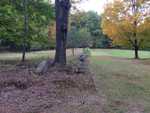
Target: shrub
(87, 51)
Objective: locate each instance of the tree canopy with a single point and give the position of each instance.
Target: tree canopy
(40, 13)
(127, 22)
(85, 30)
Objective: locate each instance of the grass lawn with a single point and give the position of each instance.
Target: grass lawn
(32, 56)
(6, 56)
(29, 55)
(119, 53)
(124, 82)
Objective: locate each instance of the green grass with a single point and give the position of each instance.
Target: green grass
(122, 80)
(95, 52)
(29, 55)
(119, 53)
(13, 57)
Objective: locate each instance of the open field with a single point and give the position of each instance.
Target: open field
(122, 81)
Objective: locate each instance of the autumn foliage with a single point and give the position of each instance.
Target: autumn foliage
(127, 22)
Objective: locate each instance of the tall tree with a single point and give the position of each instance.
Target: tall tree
(62, 8)
(123, 21)
(26, 24)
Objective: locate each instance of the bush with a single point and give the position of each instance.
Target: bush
(87, 51)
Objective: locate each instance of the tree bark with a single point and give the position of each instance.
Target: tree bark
(62, 8)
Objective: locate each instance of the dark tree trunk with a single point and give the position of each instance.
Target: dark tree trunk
(25, 4)
(62, 14)
(136, 44)
(136, 49)
(136, 54)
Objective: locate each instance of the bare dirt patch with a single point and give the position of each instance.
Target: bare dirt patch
(22, 91)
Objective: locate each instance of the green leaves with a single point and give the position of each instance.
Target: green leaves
(87, 27)
(40, 14)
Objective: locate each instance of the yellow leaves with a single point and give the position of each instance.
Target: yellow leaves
(110, 28)
(139, 2)
(118, 22)
(144, 27)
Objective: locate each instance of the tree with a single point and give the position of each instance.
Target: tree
(62, 13)
(123, 21)
(26, 28)
(10, 24)
(91, 22)
(40, 13)
(62, 9)
(73, 40)
(80, 38)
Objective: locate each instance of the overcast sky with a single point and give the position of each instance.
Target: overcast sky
(94, 5)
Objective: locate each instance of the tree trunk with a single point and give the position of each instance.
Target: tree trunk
(136, 49)
(25, 4)
(136, 45)
(136, 54)
(62, 14)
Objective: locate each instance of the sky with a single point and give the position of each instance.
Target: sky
(93, 5)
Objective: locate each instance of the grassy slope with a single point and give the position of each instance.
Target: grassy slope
(123, 81)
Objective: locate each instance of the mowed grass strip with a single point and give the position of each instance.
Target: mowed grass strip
(119, 53)
(122, 81)
(29, 55)
(95, 52)
(35, 56)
